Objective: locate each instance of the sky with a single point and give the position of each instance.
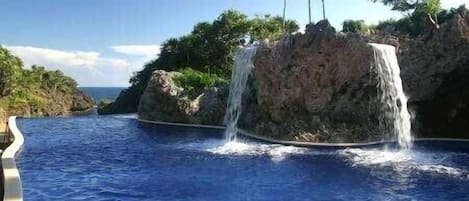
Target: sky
(102, 42)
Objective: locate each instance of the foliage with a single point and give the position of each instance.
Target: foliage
(423, 13)
(23, 87)
(195, 82)
(400, 5)
(354, 26)
(209, 48)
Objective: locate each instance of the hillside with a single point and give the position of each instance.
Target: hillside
(36, 91)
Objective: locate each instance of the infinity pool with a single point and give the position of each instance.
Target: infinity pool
(118, 158)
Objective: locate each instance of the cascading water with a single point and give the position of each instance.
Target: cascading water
(239, 77)
(392, 97)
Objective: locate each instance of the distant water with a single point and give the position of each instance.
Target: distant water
(102, 93)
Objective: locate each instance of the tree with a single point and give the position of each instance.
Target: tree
(427, 8)
(10, 71)
(353, 26)
(210, 48)
(323, 10)
(431, 8)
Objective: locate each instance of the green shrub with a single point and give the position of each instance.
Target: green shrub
(195, 82)
(354, 26)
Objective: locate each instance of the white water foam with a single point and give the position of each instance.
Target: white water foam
(405, 160)
(236, 148)
(393, 99)
(275, 151)
(127, 116)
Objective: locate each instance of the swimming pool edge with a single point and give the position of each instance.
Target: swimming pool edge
(267, 139)
(298, 143)
(12, 188)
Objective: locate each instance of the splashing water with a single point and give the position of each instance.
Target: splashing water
(393, 99)
(239, 77)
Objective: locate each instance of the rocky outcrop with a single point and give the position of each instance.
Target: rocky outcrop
(435, 73)
(316, 87)
(321, 86)
(164, 101)
(57, 103)
(3, 120)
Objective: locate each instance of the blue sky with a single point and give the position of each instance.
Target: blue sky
(101, 42)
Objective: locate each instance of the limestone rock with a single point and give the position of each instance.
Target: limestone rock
(317, 76)
(162, 100)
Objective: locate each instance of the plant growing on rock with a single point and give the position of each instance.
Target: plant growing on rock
(195, 82)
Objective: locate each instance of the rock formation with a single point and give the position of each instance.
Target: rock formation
(164, 101)
(316, 87)
(58, 103)
(435, 73)
(321, 87)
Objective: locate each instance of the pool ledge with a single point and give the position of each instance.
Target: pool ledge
(298, 143)
(271, 140)
(11, 177)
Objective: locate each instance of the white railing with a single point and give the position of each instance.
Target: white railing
(11, 176)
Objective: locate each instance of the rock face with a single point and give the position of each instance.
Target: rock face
(316, 87)
(164, 101)
(3, 120)
(58, 103)
(435, 72)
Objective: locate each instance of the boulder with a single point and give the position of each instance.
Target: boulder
(316, 86)
(164, 101)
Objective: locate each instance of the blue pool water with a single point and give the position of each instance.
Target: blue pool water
(118, 158)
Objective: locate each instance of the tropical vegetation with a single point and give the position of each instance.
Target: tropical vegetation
(20, 87)
(209, 49)
(421, 17)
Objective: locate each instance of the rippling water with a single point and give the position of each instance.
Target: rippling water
(117, 158)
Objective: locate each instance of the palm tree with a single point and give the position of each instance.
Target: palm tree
(323, 10)
(284, 12)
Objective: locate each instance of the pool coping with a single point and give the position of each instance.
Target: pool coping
(12, 188)
(298, 143)
(271, 140)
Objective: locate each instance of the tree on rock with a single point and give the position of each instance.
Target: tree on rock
(420, 8)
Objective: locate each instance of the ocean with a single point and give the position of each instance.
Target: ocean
(102, 93)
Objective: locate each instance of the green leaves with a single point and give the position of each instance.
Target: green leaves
(195, 82)
(354, 26)
(210, 48)
(22, 87)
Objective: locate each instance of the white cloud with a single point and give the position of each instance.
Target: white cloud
(147, 51)
(87, 67)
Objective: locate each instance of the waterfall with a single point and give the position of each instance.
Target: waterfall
(392, 97)
(239, 77)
